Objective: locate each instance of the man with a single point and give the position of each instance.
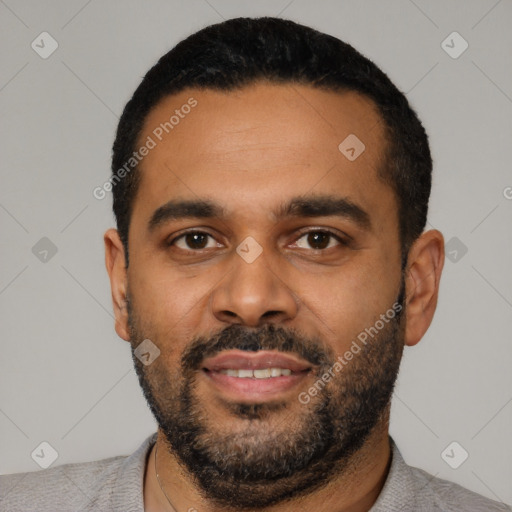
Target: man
(269, 265)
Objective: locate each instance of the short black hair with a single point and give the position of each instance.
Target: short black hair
(242, 51)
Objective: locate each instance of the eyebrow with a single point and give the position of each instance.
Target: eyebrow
(300, 206)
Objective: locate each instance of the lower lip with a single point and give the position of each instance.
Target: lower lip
(254, 389)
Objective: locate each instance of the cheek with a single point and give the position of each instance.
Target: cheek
(169, 304)
(347, 301)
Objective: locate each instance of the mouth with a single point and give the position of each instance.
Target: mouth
(255, 376)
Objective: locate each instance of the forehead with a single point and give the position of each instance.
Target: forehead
(251, 147)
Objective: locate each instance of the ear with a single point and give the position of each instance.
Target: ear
(116, 267)
(424, 266)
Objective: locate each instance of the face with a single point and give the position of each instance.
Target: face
(259, 254)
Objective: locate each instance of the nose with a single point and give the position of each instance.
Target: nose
(253, 294)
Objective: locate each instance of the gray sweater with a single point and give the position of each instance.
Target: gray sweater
(116, 484)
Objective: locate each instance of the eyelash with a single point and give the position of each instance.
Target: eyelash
(337, 237)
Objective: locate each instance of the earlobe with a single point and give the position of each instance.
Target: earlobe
(423, 274)
(115, 263)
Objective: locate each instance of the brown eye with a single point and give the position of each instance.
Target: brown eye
(319, 240)
(193, 241)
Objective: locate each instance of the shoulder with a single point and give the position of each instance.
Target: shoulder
(411, 489)
(450, 497)
(114, 484)
(65, 487)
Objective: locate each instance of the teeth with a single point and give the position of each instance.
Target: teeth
(263, 373)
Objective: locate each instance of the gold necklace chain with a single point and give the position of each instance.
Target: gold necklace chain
(159, 483)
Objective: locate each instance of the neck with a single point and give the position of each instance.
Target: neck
(355, 490)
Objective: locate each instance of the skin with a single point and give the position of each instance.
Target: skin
(250, 151)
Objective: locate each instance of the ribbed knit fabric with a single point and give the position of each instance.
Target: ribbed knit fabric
(116, 485)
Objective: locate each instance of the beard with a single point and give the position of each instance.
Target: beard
(274, 451)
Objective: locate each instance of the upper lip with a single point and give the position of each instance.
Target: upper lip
(240, 360)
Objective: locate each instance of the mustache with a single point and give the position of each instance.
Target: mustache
(267, 337)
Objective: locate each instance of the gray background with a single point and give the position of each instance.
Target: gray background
(66, 378)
